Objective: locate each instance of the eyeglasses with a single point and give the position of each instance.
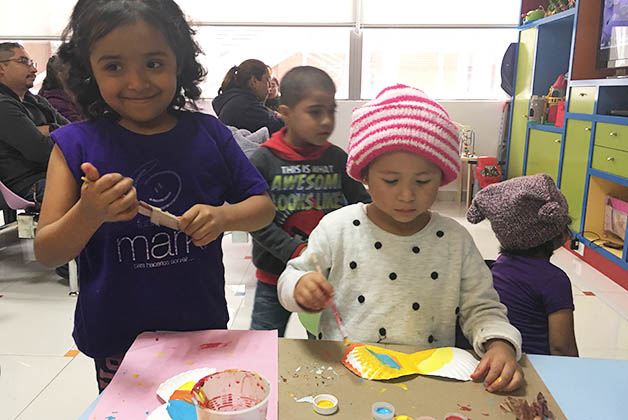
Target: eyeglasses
(22, 60)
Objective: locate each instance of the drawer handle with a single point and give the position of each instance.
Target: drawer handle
(613, 133)
(557, 141)
(587, 129)
(525, 115)
(583, 94)
(610, 159)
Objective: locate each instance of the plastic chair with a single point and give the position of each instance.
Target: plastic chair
(15, 202)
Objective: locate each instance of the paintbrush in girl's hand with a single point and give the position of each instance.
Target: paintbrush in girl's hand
(333, 306)
(157, 216)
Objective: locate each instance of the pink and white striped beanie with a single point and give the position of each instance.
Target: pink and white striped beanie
(402, 118)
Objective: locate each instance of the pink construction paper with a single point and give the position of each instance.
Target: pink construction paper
(155, 357)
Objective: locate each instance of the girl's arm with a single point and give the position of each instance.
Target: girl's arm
(68, 220)
(205, 223)
(562, 339)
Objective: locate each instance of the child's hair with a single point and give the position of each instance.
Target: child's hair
(93, 19)
(545, 250)
(402, 119)
(296, 83)
(239, 76)
(52, 81)
(528, 214)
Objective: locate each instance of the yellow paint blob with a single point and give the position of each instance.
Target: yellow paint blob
(325, 403)
(402, 386)
(403, 418)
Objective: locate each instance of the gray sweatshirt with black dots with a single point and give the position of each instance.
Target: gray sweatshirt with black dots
(401, 289)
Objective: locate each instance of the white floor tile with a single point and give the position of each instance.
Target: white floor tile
(23, 379)
(36, 318)
(616, 300)
(67, 396)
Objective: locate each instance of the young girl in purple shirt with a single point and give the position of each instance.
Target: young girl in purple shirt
(133, 69)
(529, 216)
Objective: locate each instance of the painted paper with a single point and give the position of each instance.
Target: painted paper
(372, 362)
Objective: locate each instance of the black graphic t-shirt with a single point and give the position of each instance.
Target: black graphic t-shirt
(303, 191)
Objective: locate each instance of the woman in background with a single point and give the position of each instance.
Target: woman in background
(52, 89)
(240, 100)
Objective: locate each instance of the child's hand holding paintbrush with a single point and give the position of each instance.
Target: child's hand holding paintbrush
(107, 198)
(314, 292)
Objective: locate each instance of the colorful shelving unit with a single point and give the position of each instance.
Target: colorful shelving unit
(588, 155)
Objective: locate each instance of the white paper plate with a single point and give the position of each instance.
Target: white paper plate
(160, 413)
(165, 390)
(461, 367)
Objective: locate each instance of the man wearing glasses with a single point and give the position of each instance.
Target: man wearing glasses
(26, 121)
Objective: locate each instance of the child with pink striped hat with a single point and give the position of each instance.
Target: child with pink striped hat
(398, 272)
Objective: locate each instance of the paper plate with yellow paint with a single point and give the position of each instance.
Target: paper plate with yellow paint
(372, 362)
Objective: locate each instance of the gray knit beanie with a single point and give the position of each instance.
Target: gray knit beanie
(524, 212)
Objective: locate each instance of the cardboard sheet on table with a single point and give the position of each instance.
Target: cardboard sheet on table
(155, 357)
(424, 396)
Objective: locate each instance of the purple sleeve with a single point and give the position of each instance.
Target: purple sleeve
(557, 293)
(246, 180)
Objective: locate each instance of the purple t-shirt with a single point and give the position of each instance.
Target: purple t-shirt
(531, 289)
(135, 276)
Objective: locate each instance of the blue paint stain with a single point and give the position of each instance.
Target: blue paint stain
(383, 410)
(179, 409)
(385, 359)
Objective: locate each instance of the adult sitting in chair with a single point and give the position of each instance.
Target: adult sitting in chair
(26, 121)
(240, 100)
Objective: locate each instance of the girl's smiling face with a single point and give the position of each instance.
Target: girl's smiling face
(136, 72)
(403, 187)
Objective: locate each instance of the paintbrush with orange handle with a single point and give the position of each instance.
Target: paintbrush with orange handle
(333, 306)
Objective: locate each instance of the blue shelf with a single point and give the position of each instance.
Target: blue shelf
(550, 19)
(600, 82)
(610, 177)
(612, 119)
(543, 127)
(602, 251)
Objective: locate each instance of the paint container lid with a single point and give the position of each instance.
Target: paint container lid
(382, 411)
(325, 404)
(455, 416)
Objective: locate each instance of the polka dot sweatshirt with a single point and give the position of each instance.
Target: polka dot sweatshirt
(401, 289)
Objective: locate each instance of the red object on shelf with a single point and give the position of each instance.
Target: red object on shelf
(488, 171)
(551, 117)
(560, 113)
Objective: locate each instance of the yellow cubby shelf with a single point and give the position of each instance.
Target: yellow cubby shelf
(599, 188)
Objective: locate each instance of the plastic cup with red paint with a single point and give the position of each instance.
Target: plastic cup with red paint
(232, 394)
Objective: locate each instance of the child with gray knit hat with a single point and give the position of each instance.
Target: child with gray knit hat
(529, 216)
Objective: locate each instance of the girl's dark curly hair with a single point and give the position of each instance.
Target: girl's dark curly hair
(93, 19)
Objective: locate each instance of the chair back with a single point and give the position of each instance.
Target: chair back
(13, 200)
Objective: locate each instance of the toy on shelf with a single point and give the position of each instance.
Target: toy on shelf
(467, 140)
(556, 94)
(537, 107)
(557, 6)
(533, 15)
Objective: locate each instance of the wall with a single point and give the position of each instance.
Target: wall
(483, 116)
